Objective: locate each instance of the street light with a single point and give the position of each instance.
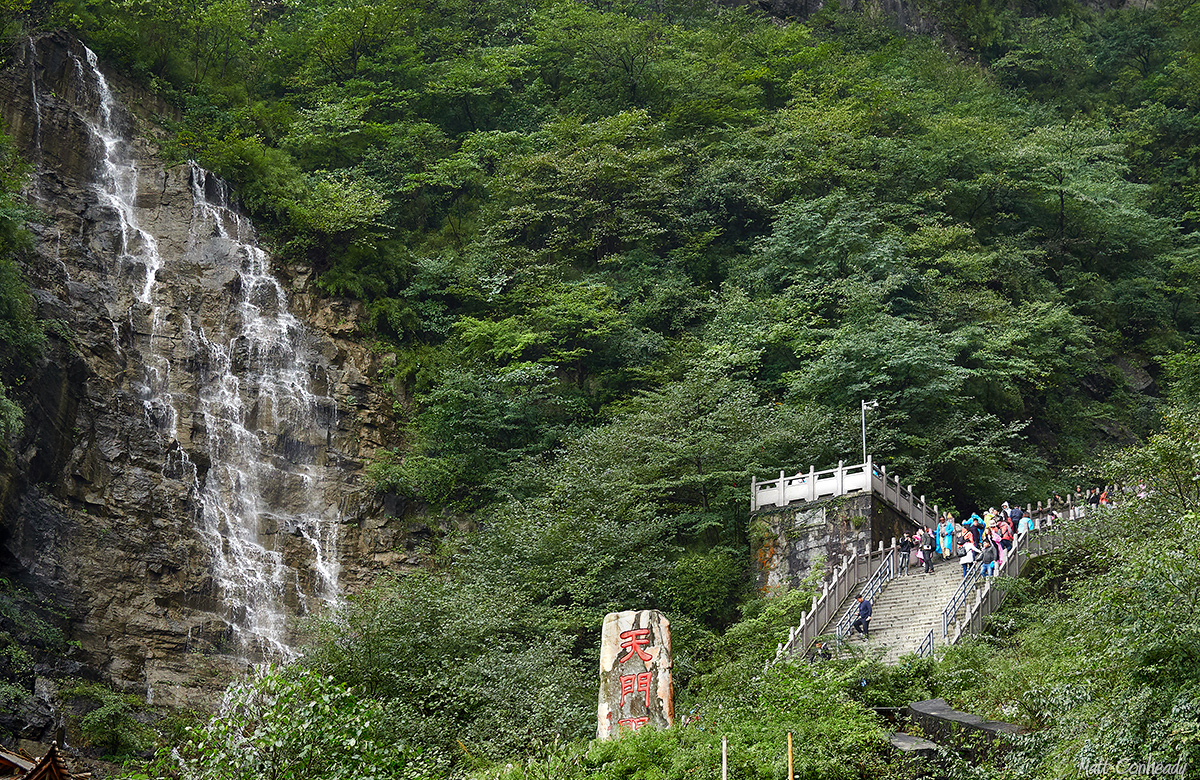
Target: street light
(865, 406)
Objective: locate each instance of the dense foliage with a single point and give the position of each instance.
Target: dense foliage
(551, 208)
(293, 726)
(622, 257)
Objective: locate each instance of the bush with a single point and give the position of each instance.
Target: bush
(295, 724)
(109, 723)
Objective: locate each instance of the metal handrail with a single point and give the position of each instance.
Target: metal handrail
(959, 597)
(883, 575)
(926, 648)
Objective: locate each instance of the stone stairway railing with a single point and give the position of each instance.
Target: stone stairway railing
(846, 576)
(843, 480)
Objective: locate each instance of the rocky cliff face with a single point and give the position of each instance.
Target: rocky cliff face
(189, 486)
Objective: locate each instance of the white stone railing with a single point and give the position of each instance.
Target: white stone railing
(840, 481)
(1026, 546)
(853, 569)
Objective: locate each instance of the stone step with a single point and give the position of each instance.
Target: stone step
(909, 606)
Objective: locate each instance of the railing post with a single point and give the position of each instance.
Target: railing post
(840, 480)
(811, 482)
(753, 494)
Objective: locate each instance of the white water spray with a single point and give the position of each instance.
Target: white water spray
(262, 430)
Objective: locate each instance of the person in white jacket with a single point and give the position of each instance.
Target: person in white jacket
(970, 553)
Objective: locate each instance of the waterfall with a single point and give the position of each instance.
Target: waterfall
(272, 389)
(117, 185)
(37, 103)
(226, 374)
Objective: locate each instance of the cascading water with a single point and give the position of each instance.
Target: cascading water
(230, 394)
(271, 457)
(37, 108)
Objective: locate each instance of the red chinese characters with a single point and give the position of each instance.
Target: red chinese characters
(635, 683)
(635, 673)
(633, 641)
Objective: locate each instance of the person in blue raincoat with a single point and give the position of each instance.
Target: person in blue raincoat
(975, 525)
(945, 536)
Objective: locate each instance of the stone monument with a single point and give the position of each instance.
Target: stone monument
(635, 673)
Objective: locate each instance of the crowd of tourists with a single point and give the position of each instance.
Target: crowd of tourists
(985, 539)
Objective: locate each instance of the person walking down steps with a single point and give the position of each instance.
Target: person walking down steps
(863, 624)
(928, 545)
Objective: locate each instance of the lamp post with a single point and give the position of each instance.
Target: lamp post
(865, 406)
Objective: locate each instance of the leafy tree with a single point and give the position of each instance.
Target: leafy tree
(109, 722)
(449, 659)
(589, 191)
(290, 725)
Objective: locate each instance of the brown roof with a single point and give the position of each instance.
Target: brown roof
(13, 763)
(49, 768)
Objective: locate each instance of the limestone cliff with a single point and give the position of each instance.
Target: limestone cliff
(190, 483)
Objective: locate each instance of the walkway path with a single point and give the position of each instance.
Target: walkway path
(909, 606)
(908, 614)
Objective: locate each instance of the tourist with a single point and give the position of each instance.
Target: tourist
(946, 537)
(963, 535)
(994, 536)
(906, 546)
(928, 545)
(976, 528)
(863, 624)
(987, 558)
(970, 553)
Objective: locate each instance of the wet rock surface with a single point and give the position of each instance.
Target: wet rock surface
(104, 498)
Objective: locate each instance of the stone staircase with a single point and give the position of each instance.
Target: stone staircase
(909, 607)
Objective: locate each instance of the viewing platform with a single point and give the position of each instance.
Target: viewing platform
(843, 480)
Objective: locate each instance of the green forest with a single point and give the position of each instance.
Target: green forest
(623, 257)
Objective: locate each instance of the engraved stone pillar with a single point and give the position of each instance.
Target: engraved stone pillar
(635, 673)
